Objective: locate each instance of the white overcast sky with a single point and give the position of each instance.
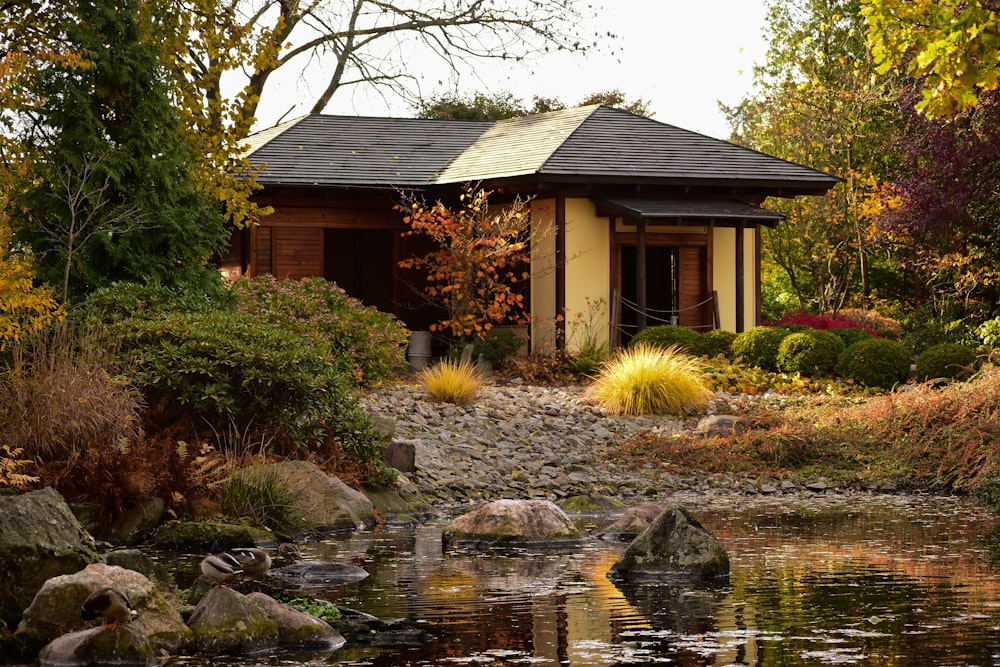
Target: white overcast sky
(682, 56)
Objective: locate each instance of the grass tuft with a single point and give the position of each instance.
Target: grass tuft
(451, 381)
(259, 494)
(646, 379)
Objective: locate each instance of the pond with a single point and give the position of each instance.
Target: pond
(866, 580)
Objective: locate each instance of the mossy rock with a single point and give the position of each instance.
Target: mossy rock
(587, 504)
(201, 535)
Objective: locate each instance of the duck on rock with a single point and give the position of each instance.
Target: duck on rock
(110, 604)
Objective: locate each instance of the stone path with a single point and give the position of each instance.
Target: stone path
(519, 441)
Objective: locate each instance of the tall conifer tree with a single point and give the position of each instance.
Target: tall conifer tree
(112, 197)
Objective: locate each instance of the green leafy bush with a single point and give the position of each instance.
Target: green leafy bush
(646, 379)
(875, 362)
(587, 360)
(851, 336)
(367, 344)
(812, 353)
(945, 361)
(759, 346)
(499, 345)
(667, 335)
(714, 343)
(233, 366)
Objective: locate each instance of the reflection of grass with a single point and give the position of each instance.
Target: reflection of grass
(942, 439)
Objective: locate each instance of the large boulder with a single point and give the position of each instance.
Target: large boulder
(297, 628)
(513, 523)
(227, 623)
(125, 646)
(40, 538)
(674, 545)
(203, 535)
(55, 610)
(632, 523)
(323, 502)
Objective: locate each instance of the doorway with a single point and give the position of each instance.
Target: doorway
(362, 262)
(662, 288)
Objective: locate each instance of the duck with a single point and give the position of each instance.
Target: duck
(289, 552)
(254, 561)
(110, 604)
(220, 568)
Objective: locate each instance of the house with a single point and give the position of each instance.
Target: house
(648, 222)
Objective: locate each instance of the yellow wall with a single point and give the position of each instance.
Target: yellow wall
(724, 276)
(588, 275)
(543, 275)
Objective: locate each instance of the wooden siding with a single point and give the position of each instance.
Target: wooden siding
(693, 289)
(298, 253)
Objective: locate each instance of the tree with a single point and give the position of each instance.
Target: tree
(503, 104)
(939, 216)
(952, 46)
(481, 256)
(25, 309)
(111, 121)
(818, 101)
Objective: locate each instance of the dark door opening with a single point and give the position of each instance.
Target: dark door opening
(662, 289)
(362, 262)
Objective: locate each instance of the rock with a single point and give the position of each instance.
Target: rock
(125, 646)
(634, 521)
(133, 559)
(138, 522)
(589, 504)
(674, 545)
(401, 455)
(227, 623)
(403, 499)
(40, 538)
(55, 610)
(201, 535)
(361, 628)
(719, 426)
(318, 574)
(297, 628)
(324, 503)
(513, 523)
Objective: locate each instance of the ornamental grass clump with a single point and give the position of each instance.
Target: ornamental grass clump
(648, 380)
(451, 381)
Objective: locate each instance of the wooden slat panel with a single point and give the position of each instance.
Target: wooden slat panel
(693, 289)
(298, 253)
(263, 264)
(345, 218)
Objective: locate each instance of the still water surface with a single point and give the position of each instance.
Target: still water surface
(879, 580)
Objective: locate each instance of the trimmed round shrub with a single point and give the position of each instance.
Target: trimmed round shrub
(715, 342)
(949, 361)
(851, 336)
(812, 353)
(759, 346)
(876, 362)
(667, 335)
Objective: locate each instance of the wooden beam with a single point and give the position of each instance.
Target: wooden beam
(640, 274)
(560, 242)
(740, 278)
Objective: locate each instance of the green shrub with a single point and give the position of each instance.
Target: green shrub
(812, 353)
(499, 345)
(759, 346)
(667, 335)
(851, 336)
(646, 379)
(945, 361)
(714, 343)
(367, 344)
(875, 362)
(229, 366)
(587, 360)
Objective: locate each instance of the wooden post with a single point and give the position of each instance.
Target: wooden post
(740, 278)
(640, 273)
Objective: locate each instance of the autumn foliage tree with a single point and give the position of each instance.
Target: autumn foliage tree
(481, 256)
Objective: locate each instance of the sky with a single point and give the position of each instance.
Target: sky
(681, 56)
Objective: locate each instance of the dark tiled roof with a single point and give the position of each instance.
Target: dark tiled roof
(594, 144)
(359, 151)
(723, 210)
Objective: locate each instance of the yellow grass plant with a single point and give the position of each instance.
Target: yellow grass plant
(450, 381)
(650, 380)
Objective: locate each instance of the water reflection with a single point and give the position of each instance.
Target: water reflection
(884, 581)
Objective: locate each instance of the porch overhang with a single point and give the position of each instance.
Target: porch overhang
(721, 212)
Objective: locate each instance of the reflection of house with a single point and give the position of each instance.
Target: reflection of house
(639, 214)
